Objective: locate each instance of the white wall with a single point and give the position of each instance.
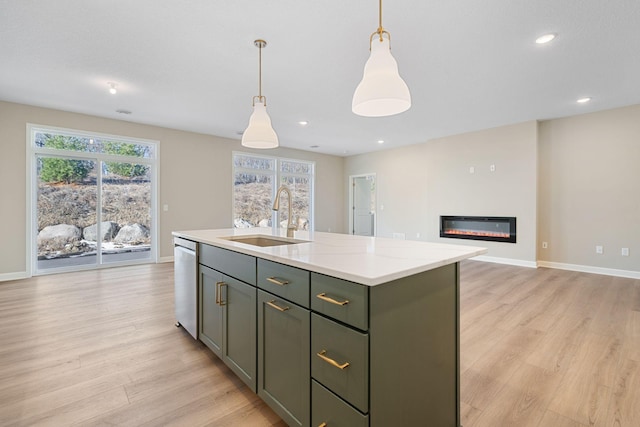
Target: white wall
(418, 183)
(195, 178)
(585, 171)
(590, 189)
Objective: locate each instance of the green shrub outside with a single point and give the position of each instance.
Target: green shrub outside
(55, 169)
(127, 170)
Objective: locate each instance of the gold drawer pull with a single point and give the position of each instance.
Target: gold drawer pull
(273, 304)
(219, 286)
(330, 361)
(277, 281)
(324, 297)
(323, 425)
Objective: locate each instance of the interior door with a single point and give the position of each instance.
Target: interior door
(363, 205)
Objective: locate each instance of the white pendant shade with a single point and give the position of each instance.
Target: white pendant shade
(382, 92)
(260, 133)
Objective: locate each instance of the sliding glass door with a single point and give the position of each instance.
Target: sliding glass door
(93, 200)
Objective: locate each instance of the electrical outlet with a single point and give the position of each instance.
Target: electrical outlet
(472, 169)
(417, 235)
(625, 251)
(599, 249)
(545, 245)
(165, 208)
(492, 168)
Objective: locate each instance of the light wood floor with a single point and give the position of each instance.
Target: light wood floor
(539, 348)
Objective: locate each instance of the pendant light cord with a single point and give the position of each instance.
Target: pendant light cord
(260, 44)
(260, 71)
(380, 29)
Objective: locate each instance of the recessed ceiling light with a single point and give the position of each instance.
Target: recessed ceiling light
(303, 122)
(112, 88)
(545, 38)
(584, 100)
(380, 141)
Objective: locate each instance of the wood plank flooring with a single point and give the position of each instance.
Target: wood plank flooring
(540, 347)
(544, 347)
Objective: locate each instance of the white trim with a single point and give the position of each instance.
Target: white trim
(30, 202)
(33, 151)
(508, 261)
(14, 276)
(589, 269)
(277, 176)
(560, 266)
(351, 201)
(165, 259)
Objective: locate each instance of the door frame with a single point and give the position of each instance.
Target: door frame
(32, 202)
(351, 206)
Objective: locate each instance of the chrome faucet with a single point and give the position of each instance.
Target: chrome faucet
(276, 207)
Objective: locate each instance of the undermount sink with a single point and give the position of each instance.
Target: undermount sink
(263, 241)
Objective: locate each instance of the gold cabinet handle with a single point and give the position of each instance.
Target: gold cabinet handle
(277, 281)
(323, 425)
(219, 286)
(324, 297)
(273, 304)
(330, 361)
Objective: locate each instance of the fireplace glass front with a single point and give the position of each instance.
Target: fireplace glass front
(488, 228)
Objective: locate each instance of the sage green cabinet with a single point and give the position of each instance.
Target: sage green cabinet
(287, 282)
(210, 313)
(320, 349)
(228, 321)
(331, 410)
(238, 301)
(340, 360)
(284, 378)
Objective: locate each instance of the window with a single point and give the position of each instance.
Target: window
(256, 180)
(93, 199)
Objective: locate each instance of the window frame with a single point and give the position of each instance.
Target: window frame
(277, 176)
(33, 152)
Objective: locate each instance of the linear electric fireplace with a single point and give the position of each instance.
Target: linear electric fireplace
(488, 228)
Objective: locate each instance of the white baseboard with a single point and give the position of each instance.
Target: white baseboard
(589, 269)
(165, 259)
(13, 276)
(560, 266)
(508, 261)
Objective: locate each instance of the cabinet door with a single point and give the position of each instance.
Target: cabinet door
(211, 313)
(283, 358)
(239, 331)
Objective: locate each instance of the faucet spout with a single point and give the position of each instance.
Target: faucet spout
(276, 207)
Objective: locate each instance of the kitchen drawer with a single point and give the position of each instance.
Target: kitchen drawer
(329, 409)
(341, 300)
(340, 360)
(287, 282)
(234, 264)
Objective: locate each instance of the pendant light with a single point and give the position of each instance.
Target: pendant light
(382, 92)
(259, 133)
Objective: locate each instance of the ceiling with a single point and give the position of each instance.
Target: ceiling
(192, 64)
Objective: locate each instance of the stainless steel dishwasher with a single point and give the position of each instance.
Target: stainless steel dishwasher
(185, 256)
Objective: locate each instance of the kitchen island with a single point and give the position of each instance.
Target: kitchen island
(333, 329)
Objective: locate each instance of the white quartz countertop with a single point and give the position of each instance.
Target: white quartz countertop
(365, 260)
